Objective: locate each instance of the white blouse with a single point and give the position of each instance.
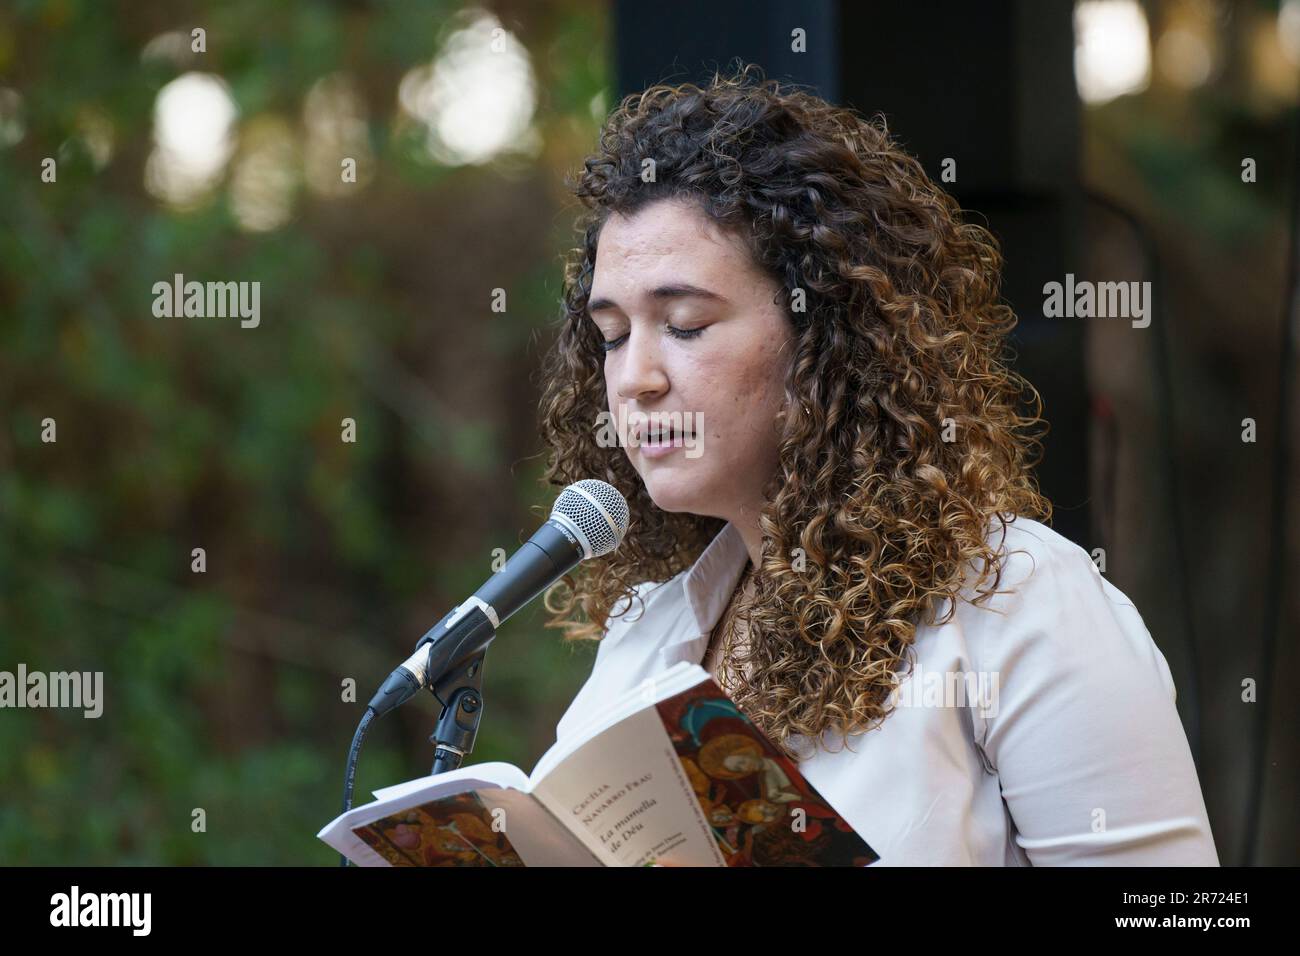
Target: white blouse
(1054, 742)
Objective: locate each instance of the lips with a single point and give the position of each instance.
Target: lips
(660, 436)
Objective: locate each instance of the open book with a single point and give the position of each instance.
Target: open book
(671, 772)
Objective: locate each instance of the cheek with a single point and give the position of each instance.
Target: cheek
(759, 385)
(740, 414)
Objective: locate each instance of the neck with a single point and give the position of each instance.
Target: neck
(747, 524)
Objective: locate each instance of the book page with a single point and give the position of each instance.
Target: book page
(490, 828)
(339, 832)
(625, 793)
(672, 681)
(691, 780)
(476, 775)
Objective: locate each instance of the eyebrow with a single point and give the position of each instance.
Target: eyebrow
(675, 290)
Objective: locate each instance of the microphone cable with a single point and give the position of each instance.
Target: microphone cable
(350, 774)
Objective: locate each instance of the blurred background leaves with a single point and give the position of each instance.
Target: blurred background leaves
(325, 560)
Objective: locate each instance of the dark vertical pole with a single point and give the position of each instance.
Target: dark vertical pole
(991, 86)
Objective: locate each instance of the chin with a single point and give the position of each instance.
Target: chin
(673, 494)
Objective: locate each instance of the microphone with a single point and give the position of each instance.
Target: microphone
(588, 520)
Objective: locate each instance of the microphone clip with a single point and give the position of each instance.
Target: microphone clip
(456, 648)
(460, 692)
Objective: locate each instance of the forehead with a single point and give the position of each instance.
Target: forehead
(667, 236)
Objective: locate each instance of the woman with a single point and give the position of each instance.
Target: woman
(832, 505)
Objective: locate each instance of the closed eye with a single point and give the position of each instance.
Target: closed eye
(672, 330)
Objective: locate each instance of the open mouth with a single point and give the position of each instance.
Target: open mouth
(664, 436)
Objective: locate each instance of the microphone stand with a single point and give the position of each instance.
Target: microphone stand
(454, 670)
(460, 691)
(589, 519)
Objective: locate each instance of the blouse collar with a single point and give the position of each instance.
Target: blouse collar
(713, 577)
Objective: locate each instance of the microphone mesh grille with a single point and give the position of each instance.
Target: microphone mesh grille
(598, 510)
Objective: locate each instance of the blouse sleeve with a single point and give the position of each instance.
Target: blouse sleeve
(1090, 754)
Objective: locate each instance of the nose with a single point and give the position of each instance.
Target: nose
(639, 371)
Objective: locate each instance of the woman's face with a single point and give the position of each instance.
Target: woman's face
(695, 330)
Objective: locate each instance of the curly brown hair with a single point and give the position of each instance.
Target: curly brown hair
(872, 519)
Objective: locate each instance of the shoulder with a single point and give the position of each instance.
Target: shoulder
(1041, 570)
(1081, 723)
(1047, 565)
(1031, 553)
(1054, 613)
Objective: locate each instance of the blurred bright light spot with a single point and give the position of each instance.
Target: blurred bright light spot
(1270, 70)
(171, 47)
(11, 117)
(476, 99)
(1288, 30)
(193, 120)
(96, 131)
(261, 185)
(334, 116)
(1112, 49)
(599, 106)
(1184, 57)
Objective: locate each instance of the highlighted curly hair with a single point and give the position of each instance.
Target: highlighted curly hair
(873, 519)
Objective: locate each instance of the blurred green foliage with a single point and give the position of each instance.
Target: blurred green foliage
(325, 560)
